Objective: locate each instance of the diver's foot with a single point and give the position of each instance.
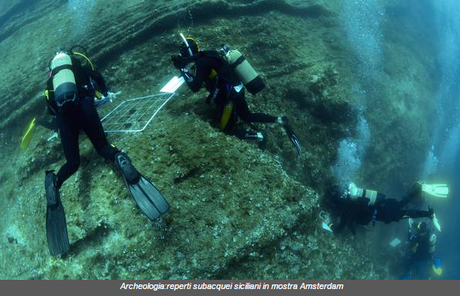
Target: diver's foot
(128, 170)
(282, 120)
(52, 191)
(263, 142)
(416, 189)
(254, 136)
(326, 218)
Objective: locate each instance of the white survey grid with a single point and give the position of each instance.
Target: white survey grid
(134, 115)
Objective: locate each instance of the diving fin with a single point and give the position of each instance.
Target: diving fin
(436, 190)
(326, 221)
(292, 136)
(56, 226)
(144, 193)
(436, 223)
(28, 135)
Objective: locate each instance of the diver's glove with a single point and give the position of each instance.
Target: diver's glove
(187, 75)
(179, 62)
(110, 95)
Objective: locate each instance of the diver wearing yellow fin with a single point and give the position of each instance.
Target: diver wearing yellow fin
(361, 206)
(422, 263)
(226, 74)
(70, 97)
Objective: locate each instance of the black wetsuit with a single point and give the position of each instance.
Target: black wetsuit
(387, 210)
(81, 115)
(223, 87)
(420, 255)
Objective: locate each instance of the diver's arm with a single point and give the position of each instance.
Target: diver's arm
(343, 219)
(197, 75)
(97, 77)
(49, 97)
(193, 83)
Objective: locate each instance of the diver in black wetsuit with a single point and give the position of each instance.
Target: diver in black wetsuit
(70, 97)
(363, 206)
(77, 114)
(226, 89)
(422, 263)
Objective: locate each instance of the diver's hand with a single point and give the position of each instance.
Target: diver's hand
(178, 62)
(111, 95)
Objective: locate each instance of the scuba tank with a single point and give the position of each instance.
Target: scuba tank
(243, 70)
(355, 193)
(64, 85)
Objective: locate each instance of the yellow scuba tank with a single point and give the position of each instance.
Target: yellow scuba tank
(243, 70)
(64, 85)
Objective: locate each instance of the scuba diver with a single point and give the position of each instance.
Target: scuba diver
(99, 100)
(422, 263)
(70, 98)
(363, 206)
(225, 74)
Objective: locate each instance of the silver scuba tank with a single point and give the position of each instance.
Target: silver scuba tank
(64, 84)
(245, 72)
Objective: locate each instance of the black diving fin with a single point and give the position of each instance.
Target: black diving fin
(144, 193)
(292, 136)
(56, 226)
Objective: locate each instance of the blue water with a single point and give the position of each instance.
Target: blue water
(362, 20)
(446, 133)
(81, 11)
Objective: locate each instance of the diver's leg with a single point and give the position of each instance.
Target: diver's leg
(414, 193)
(247, 116)
(68, 129)
(389, 210)
(418, 214)
(92, 126)
(46, 124)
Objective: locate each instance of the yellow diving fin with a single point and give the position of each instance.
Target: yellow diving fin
(28, 135)
(436, 190)
(228, 109)
(437, 270)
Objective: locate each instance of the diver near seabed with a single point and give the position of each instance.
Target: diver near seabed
(99, 100)
(225, 74)
(363, 206)
(70, 97)
(422, 264)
